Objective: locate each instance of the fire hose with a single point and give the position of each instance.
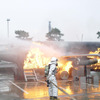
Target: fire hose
(54, 85)
(59, 89)
(63, 91)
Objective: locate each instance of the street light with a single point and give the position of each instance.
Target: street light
(8, 27)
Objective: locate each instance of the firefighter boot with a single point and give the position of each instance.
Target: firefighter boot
(51, 98)
(55, 98)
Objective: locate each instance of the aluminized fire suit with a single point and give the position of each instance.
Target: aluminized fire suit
(53, 91)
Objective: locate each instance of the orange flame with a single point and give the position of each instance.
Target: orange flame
(66, 66)
(95, 52)
(36, 59)
(97, 57)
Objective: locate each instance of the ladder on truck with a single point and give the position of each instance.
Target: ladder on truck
(30, 74)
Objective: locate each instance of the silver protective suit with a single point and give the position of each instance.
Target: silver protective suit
(53, 91)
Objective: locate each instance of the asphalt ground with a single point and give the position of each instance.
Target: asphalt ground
(32, 90)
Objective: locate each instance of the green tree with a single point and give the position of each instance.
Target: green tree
(98, 33)
(21, 34)
(54, 35)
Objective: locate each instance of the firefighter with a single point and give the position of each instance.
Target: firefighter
(53, 91)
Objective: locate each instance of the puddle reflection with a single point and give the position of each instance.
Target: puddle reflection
(35, 91)
(40, 90)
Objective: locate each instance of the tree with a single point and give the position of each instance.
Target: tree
(54, 35)
(98, 33)
(21, 34)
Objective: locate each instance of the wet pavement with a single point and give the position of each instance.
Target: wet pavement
(17, 90)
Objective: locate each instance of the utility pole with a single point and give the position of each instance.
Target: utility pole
(81, 37)
(49, 26)
(8, 27)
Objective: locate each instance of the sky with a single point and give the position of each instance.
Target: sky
(78, 20)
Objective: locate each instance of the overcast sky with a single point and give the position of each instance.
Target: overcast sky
(73, 18)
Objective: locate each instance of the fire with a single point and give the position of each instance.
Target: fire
(96, 66)
(36, 58)
(66, 66)
(95, 52)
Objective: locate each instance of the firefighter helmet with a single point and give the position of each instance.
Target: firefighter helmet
(54, 59)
